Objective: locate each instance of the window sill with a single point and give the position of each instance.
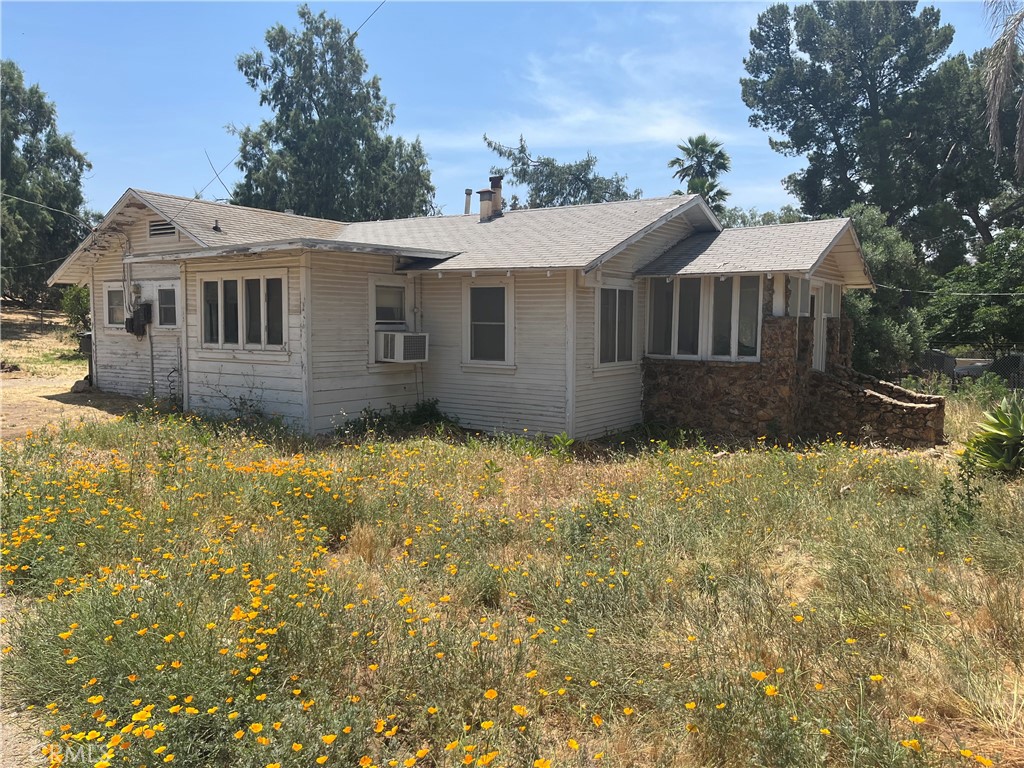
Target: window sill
(244, 355)
(499, 368)
(382, 367)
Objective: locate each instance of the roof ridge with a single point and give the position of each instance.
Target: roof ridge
(787, 224)
(233, 206)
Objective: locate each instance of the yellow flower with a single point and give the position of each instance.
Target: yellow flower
(365, 761)
(771, 690)
(520, 710)
(488, 758)
(487, 725)
(916, 719)
(597, 720)
(913, 744)
(691, 705)
(239, 734)
(296, 746)
(329, 738)
(541, 762)
(490, 694)
(824, 731)
(759, 675)
(573, 745)
(94, 699)
(256, 727)
(321, 760)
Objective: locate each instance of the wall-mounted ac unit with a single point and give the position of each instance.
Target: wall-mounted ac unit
(401, 347)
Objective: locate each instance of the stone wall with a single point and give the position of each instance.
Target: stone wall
(784, 397)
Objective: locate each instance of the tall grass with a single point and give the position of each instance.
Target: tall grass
(202, 596)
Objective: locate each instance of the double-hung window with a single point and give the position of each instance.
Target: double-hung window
(615, 325)
(488, 312)
(166, 315)
(705, 318)
(113, 304)
(243, 312)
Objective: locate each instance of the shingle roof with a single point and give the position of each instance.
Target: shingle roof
(566, 237)
(238, 225)
(780, 248)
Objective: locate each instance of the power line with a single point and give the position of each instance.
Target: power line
(48, 208)
(352, 36)
(946, 293)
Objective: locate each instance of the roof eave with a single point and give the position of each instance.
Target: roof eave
(305, 244)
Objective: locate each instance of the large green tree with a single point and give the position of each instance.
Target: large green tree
(982, 304)
(838, 81)
(551, 183)
(888, 333)
(41, 183)
(326, 151)
(700, 161)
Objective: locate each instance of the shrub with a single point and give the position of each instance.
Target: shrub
(999, 442)
(75, 304)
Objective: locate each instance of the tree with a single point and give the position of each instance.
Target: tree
(838, 81)
(699, 164)
(737, 217)
(983, 303)
(1006, 67)
(550, 183)
(41, 183)
(888, 334)
(325, 152)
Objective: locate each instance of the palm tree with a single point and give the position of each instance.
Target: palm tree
(1005, 64)
(714, 195)
(702, 157)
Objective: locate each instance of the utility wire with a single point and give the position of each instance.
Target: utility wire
(48, 208)
(352, 36)
(946, 293)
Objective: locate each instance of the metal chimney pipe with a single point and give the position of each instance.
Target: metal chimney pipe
(497, 203)
(486, 197)
(469, 199)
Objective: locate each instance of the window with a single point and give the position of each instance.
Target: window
(246, 312)
(166, 307)
(616, 325)
(488, 317)
(114, 298)
(799, 297)
(390, 306)
(706, 317)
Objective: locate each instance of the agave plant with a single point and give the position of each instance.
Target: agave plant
(999, 442)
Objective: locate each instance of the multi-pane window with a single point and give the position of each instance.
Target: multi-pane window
(705, 317)
(115, 306)
(247, 312)
(616, 325)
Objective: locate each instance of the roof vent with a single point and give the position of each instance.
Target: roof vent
(161, 229)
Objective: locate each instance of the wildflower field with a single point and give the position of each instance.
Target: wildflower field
(194, 594)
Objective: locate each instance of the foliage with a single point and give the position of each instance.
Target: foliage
(982, 303)
(1006, 69)
(196, 594)
(859, 90)
(887, 331)
(398, 422)
(550, 183)
(325, 152)
(41, 166)
(74, 303)
(699, 164)
(737, 217)
(999, 442)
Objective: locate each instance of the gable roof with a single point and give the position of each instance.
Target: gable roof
(799, 248)
(567, 237)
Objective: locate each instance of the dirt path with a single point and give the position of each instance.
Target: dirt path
(32, 402)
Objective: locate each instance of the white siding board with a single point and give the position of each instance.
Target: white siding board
(531, 397)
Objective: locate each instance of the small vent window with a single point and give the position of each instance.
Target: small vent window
(161, 229)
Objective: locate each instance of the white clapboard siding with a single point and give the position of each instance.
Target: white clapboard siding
(344, 381)
(531, 397)
(643, 252)
(233, 382)
(607, 399)
(122, 361)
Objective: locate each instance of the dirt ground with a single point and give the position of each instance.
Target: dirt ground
(31, 403)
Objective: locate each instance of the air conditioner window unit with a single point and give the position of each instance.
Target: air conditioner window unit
(401, 347)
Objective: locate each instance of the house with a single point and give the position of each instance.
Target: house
(584, 319)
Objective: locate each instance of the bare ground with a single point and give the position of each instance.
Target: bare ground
(30, 403)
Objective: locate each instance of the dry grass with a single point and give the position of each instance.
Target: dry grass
(40, 343)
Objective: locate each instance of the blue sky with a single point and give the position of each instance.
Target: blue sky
(147, 89)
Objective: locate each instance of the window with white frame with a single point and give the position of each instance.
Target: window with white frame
(244, 312)
(615, 325)
(166, 306)
(705, 318)
(488, 326)
(113, 297)
(389, 306)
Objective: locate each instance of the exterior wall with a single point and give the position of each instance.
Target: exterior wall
(230, 382)
(529, 395)
(344, 382)
(123, 363)
(607, 397)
